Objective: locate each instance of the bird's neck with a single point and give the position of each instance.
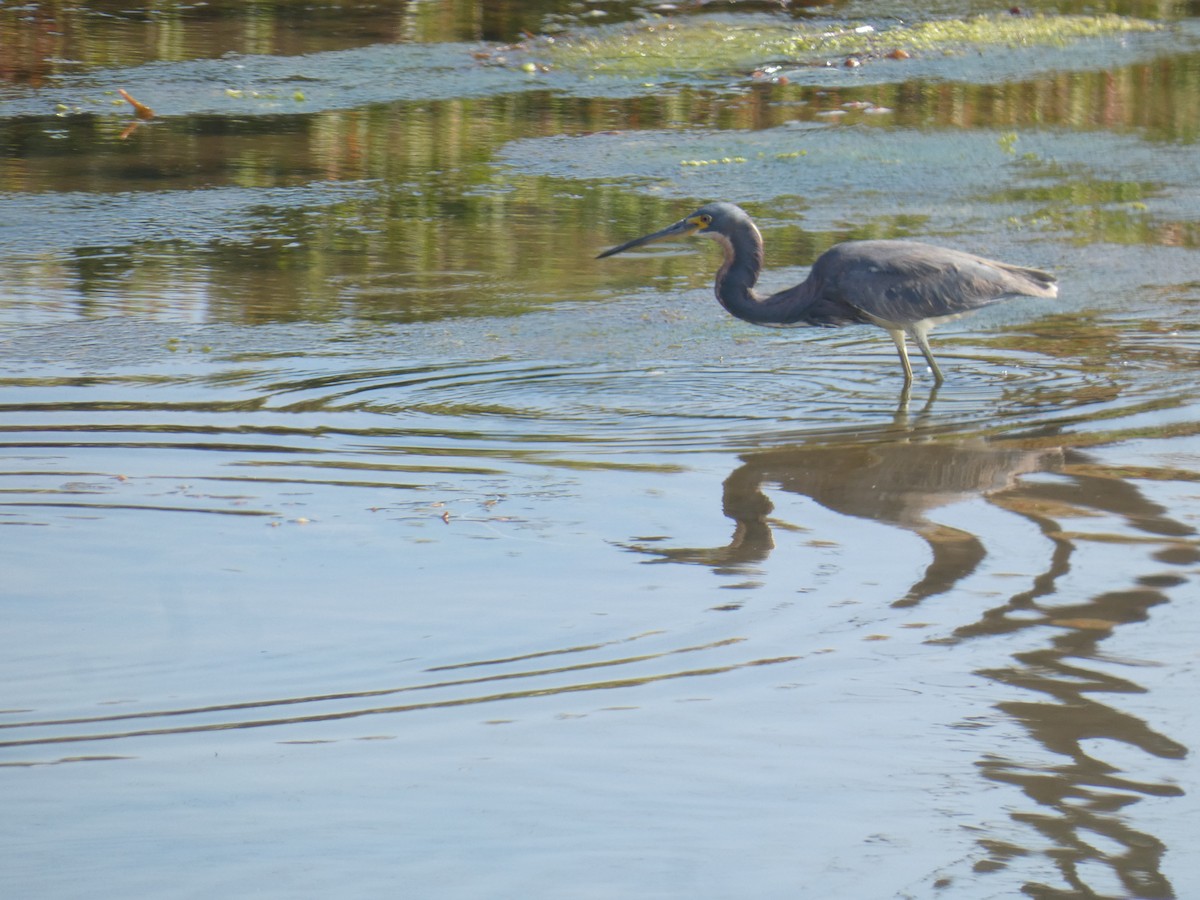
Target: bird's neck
(737, 277)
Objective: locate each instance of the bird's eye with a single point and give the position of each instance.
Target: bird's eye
(706, 220)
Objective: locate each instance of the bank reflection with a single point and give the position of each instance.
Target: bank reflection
(1089, 759)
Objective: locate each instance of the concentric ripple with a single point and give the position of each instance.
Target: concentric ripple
(386, 408)
(565, 670)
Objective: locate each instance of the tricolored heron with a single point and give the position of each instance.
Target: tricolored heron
(904, 287)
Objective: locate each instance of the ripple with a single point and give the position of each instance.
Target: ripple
(513, 674)
(560, 391)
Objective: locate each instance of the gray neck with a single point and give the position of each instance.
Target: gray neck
(738, 275)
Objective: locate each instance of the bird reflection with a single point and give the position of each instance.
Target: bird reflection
(1063, 686)
(895, 483)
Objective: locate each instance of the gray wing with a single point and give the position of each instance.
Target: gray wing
(906, 281)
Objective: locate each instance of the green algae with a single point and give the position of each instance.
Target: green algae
(715, 43)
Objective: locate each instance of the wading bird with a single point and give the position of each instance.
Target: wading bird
(904, 287)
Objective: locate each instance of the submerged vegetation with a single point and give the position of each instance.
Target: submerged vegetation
(719, 43)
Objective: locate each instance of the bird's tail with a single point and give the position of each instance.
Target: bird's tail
(1034, 282)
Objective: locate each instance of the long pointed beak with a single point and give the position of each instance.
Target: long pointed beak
(681, 229)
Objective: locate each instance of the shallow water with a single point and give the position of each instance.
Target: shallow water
(363, 531)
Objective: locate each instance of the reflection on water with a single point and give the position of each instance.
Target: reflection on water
(323, 440)
(43, 40)
(1085, 792)
(897, 483)
(434, 499)
(1082, 791)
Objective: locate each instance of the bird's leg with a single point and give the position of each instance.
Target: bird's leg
(898, 337)
(919, 335)
(900, 416)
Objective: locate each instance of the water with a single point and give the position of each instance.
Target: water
(363, 531)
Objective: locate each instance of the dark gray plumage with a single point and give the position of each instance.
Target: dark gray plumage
(904, 287)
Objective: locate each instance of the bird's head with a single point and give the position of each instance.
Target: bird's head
(713, 220)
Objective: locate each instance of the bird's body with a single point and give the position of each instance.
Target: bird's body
(904, 287)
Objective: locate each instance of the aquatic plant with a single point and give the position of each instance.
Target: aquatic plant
(719, 43)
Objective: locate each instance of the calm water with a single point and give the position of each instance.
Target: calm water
(364, 534)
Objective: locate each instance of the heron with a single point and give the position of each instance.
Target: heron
(904, 287)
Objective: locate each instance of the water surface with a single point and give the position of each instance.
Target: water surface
(362, 530)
